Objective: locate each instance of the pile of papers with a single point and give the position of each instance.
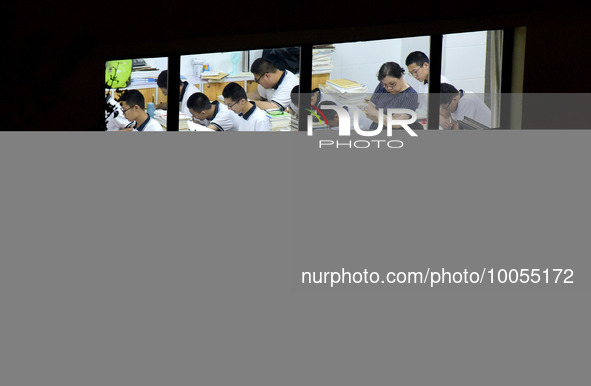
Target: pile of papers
(322, 59)
(280, 120)
(213, 76)
(346, 92)
(241, 76)
(160, 117)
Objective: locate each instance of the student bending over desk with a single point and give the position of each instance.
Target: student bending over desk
(252, 118)
(274, 85)
(214, 115)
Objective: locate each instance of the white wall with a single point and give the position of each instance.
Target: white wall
(159, 63)
(360, 61)
(463, 62)
(221, 61)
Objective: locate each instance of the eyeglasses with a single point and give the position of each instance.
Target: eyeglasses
(233, 104)
(415, 71)
(125, 110)
(390, 85)
(257, 80)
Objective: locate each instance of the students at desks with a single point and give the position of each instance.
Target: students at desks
(133, 105)
(214, 115)
(274, 85)
(186, 89)
(252, 118)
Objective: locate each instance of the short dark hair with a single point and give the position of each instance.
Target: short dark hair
(262, 66)
(448, 92)
(295, 95)
(133, 97)
(390, 69)
(329, 114)
(163, 80)
(234, 91)
(199, 102)
(417, 57)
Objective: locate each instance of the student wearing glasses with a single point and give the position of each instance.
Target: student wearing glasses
(252, 118)
(417, 64)
(186, 89)
(133, 105)
(392, 92)
(461, 104)
(214, 115)
(274, 85)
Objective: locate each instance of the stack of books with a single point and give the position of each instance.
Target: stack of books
(280, 120)
(147, 78)
(346, 86)
(322, 59)
(160, 117)
(213, 76)
(346, 92)
(316, 124)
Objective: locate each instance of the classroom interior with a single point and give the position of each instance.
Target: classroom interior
(473, 61)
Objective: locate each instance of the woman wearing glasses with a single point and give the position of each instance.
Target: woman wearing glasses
(392, 93)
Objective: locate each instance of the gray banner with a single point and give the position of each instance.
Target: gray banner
(176, 258)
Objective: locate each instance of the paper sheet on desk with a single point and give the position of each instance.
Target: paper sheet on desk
(192, 126)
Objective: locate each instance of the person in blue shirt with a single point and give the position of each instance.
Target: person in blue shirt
(392, 92)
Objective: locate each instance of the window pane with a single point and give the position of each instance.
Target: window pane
(137, 77)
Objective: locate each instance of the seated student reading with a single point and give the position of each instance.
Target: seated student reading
(463, 104)
(133, 104)
(186, 89)
(251, 117)
(214, 115)
(274, 85)
(392, 92)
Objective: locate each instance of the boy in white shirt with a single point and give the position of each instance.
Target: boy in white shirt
(133, 105)
(252, 118)
(186, 89)
(213, 115)
(417, 64)
(461, 104)
(274, 85)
